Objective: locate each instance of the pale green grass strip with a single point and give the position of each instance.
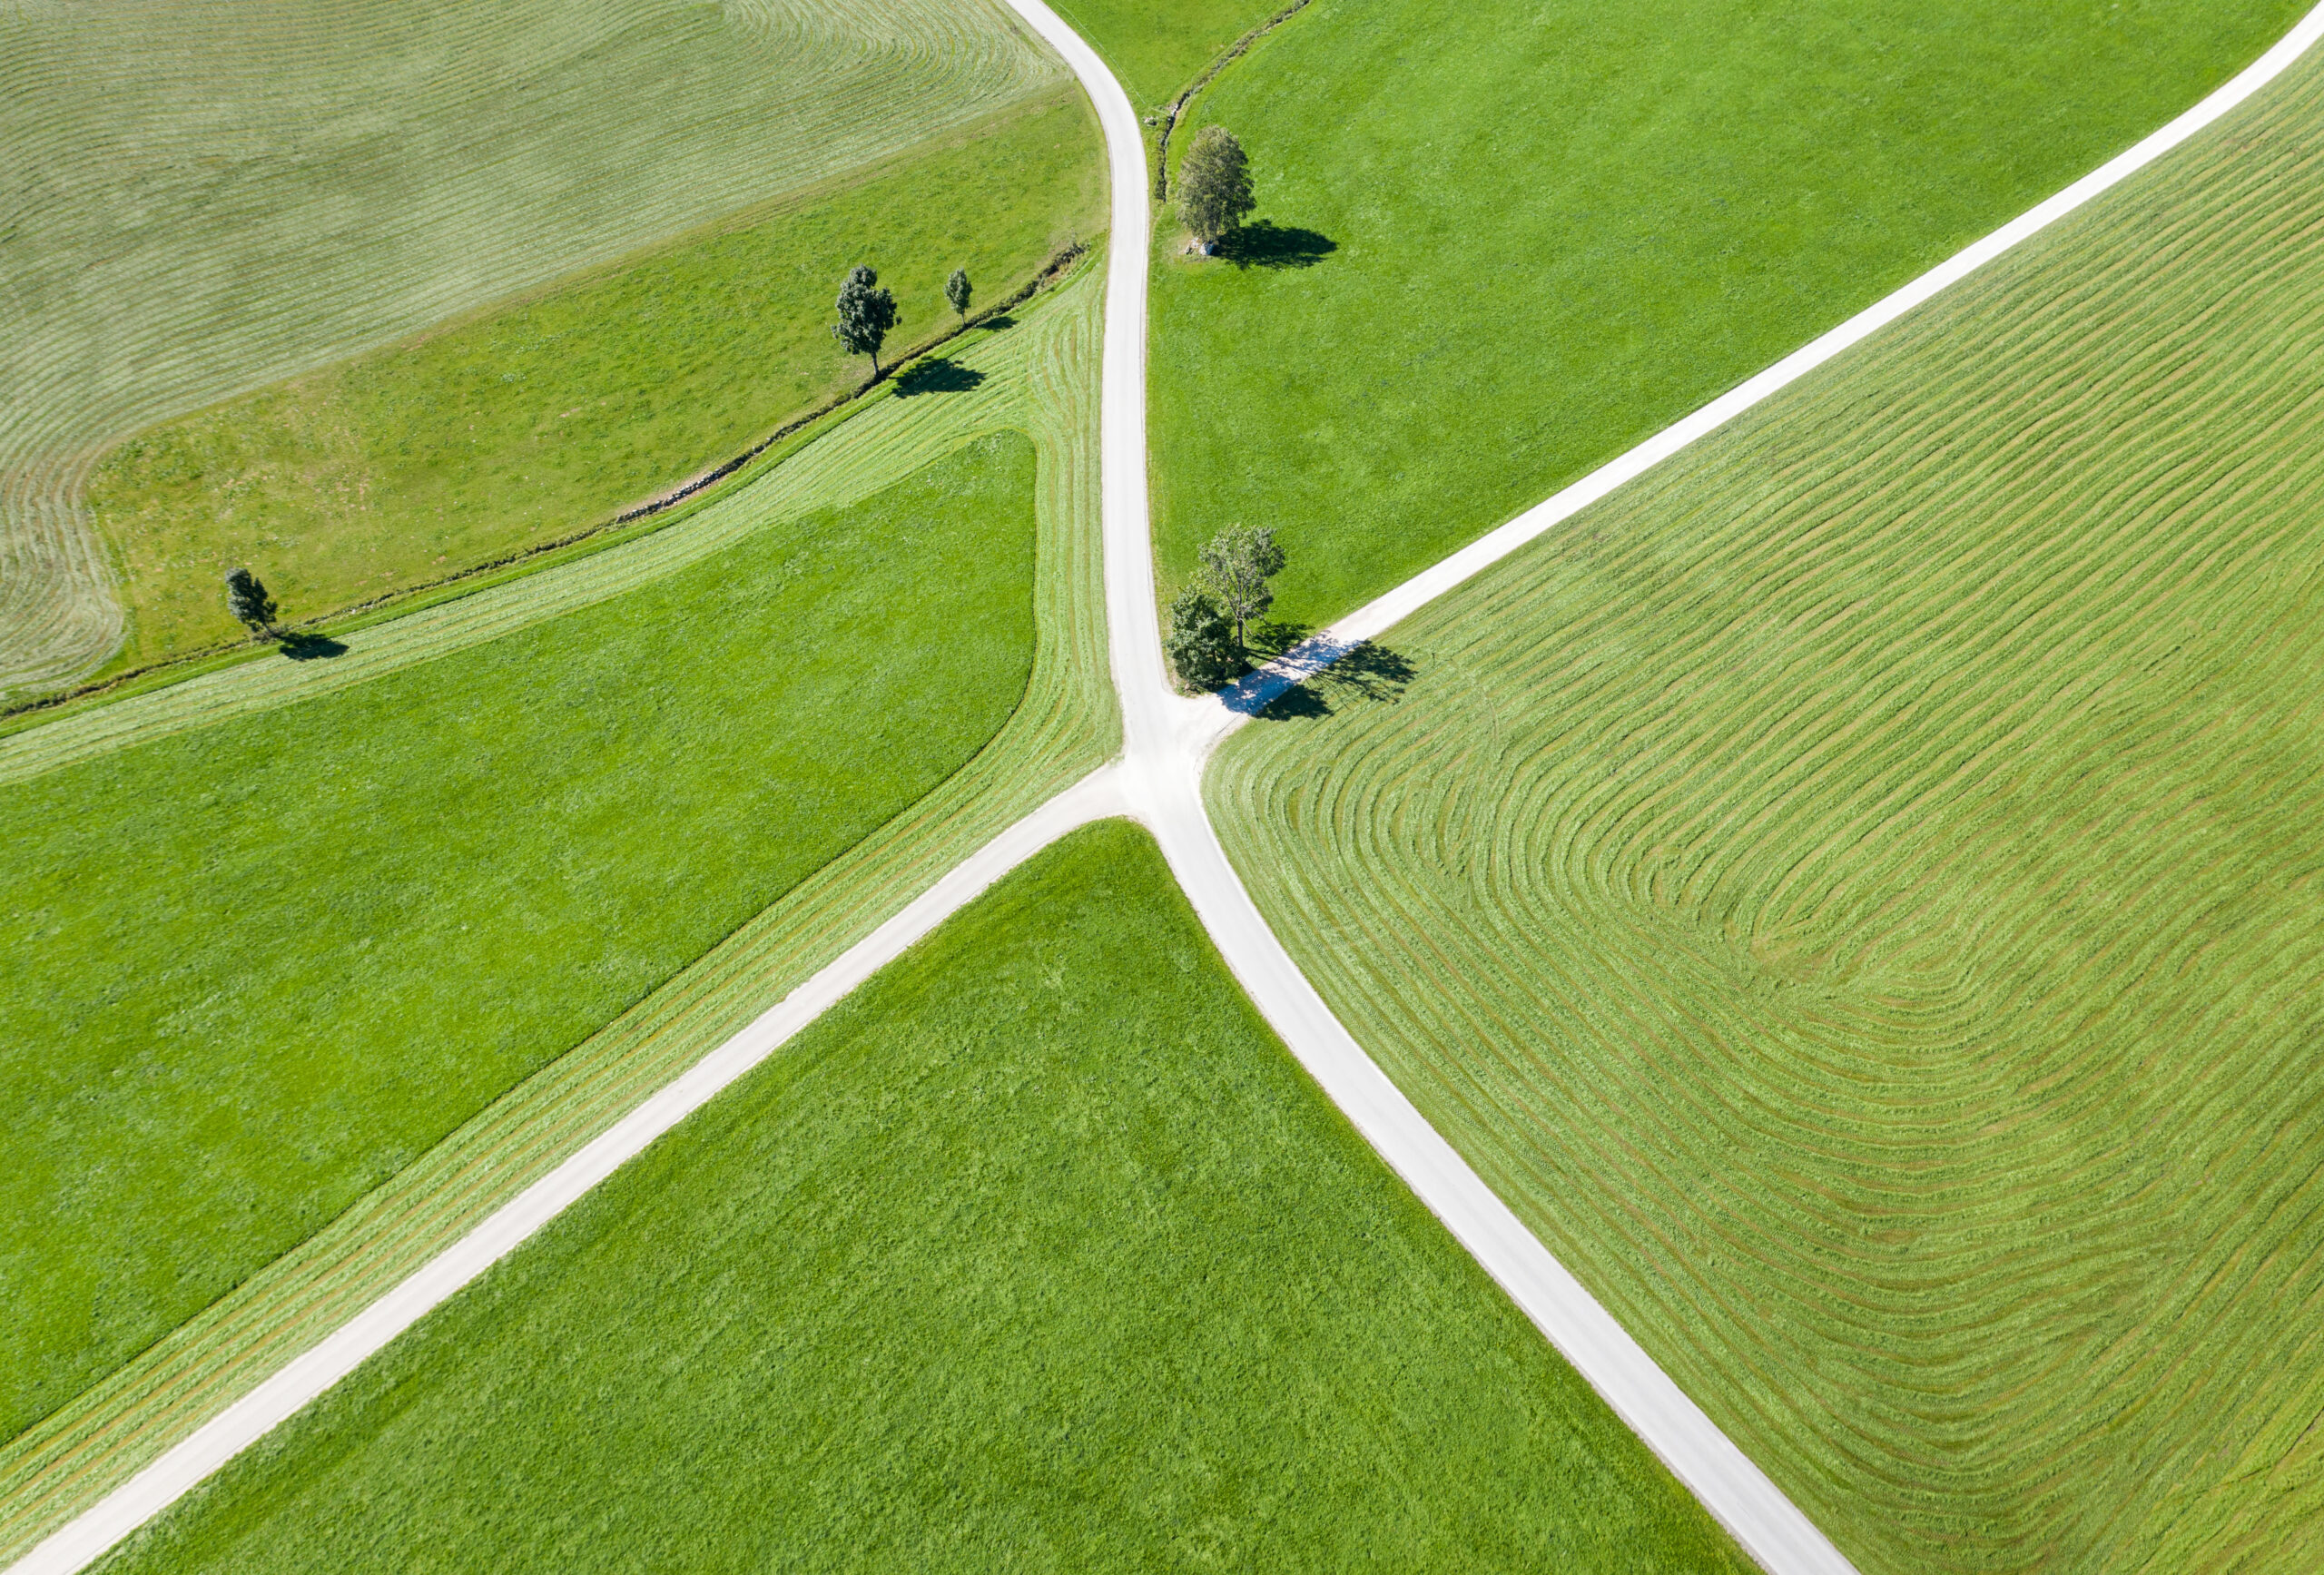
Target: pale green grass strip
(1067, 724)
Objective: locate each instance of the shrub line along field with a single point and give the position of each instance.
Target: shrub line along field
(728, 477)
(1855, 892)
(567, 406)
(209, 206)
(1159, 58)
(1035, 376)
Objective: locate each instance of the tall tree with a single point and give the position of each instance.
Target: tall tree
(957, 291)
(866, 314)
(1214, 185)
(1200, 642)
(247, 600)
(1236, 565)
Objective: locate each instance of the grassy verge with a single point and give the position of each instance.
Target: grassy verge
(529, 420)
(1555, 229)
(1856, 893)
(1039, 1252)
(1037, 377)
(229, 197)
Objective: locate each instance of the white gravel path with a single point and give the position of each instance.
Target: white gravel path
(1158, 781)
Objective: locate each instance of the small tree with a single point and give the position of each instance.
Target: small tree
(1200, 642)
(957, 291)
(866, 314)
(246, 598)
(1214, 185)
(1235, 567)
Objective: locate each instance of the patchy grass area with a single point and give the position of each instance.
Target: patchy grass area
(1155, 47)
(257, 967)
(531, 421)
(1499, 243)
(228, 196)
(1857, 893)
(1038, 1253)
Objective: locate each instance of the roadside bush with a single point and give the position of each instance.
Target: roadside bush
(1201, 641)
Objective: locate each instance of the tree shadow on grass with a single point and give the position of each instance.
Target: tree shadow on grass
(1267, 244)
(311, 648)
(995, 324)
(936, 377)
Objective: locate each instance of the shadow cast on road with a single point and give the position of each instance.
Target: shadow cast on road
(1303, 679)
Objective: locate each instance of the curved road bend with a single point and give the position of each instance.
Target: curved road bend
(1158, 781)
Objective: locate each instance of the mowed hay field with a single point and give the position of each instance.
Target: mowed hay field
(1554, 228)
(531, 421)
(258, 968)
(1859, 893)
(1039, 378)
(207, 198)
(1037, 1253)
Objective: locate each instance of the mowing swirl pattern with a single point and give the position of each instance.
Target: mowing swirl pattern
(1859, 893)
(216, 196)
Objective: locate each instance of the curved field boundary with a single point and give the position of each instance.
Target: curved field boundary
(412, 598)
(1067, 724)
(1857, 893)
(1177, 107)
(211, 207)
(878, 447)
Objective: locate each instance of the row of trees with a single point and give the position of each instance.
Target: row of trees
(867, 310)
(866, 314)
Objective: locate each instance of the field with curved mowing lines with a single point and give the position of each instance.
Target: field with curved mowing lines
(1039, 378)
(213, 198)
(1858, 892)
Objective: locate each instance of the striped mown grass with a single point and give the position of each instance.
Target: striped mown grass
(1858, 892)
(1040, 380)
(1037, 1252)
(211, 197)
(533, 420)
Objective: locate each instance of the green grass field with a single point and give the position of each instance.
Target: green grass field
(530, 421)
(261, 966)
(1857, 893)
(1553, 229)
(1157, 47)
(1038, 1253)
(211, 199)
(1037, 378)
